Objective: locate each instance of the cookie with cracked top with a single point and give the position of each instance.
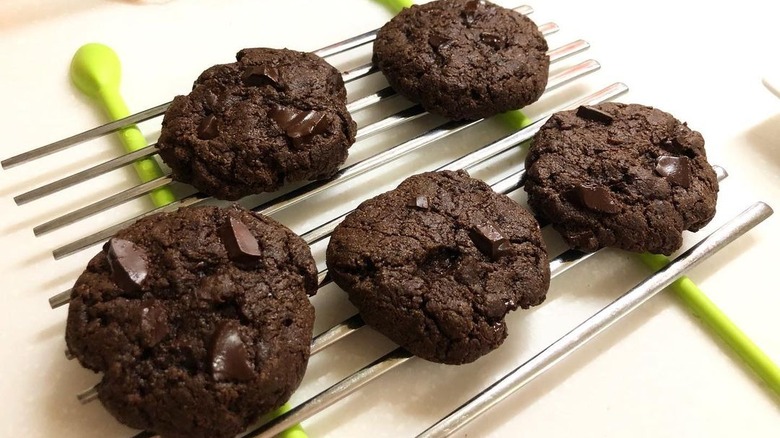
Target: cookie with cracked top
(272, 117)
(437, 263)
(463, 59)
(618, 175)
(199, 320)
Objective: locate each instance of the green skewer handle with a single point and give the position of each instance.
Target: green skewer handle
(395, 6)
(294, 431)
(96, 71)
(703, 308)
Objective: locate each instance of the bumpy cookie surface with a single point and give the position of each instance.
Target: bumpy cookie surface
(437, 263)
(199, 320)
(617, 175)
(274, 116)
(463, 59)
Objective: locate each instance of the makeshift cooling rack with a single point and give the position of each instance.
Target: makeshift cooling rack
(477, 157)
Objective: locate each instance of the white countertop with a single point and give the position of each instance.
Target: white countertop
(657, 373)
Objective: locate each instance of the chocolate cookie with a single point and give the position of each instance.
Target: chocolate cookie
(625, 176)
(437, 263)
(463, 59)
(199, 320)
(274, 116)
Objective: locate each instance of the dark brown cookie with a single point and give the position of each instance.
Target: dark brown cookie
(199, 320)
(437, 263)
(463, 59)
(274, 116)
(617, 175)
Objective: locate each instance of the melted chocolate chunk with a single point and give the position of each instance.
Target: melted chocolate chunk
(241, 245)
(595, 198)
(128, 264)
(211, 102)
(229, 357)
(439, 42)
(496, 307)
(489, 241)
(208, 128)
(470, 11)
(419, 202)
(261, 75)
(491, 39)
(594, 114)
(676, 170)
(154, 324)
(298, 124)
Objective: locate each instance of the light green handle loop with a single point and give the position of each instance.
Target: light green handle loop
(96, 71)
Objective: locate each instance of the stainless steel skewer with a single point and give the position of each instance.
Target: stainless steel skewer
(599, 322)
(558, 265)
(654, 284)
(343, 175)
(325, 52)
(403, 116)
(465, 162)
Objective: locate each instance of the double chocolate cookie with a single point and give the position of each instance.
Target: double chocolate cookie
(274, 116)
(617, 175)
(437, 263)
(199, 320)
(463, 59)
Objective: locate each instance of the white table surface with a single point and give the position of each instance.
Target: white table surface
(657, 373)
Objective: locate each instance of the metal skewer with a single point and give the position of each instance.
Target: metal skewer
(325, 52)
(343, 175)
(465, 162)
(599, 322)
(403, 116)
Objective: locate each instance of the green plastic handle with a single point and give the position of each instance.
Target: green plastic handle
(295, 431)
(395, 6)
(703, 308)
(96, 71)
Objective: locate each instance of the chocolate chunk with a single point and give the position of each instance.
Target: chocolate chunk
(419, 202)
(491, 39)
(241, 245)
(154, 324)
(208, 128)
(299, 124)
(489, 241)
(594, 114)
(595, 198)
(128, 264)
(261, 75)
(496, 307)
(211, 102)
(470, 11)
(676, 170)
(229, 357)
(439, 42)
